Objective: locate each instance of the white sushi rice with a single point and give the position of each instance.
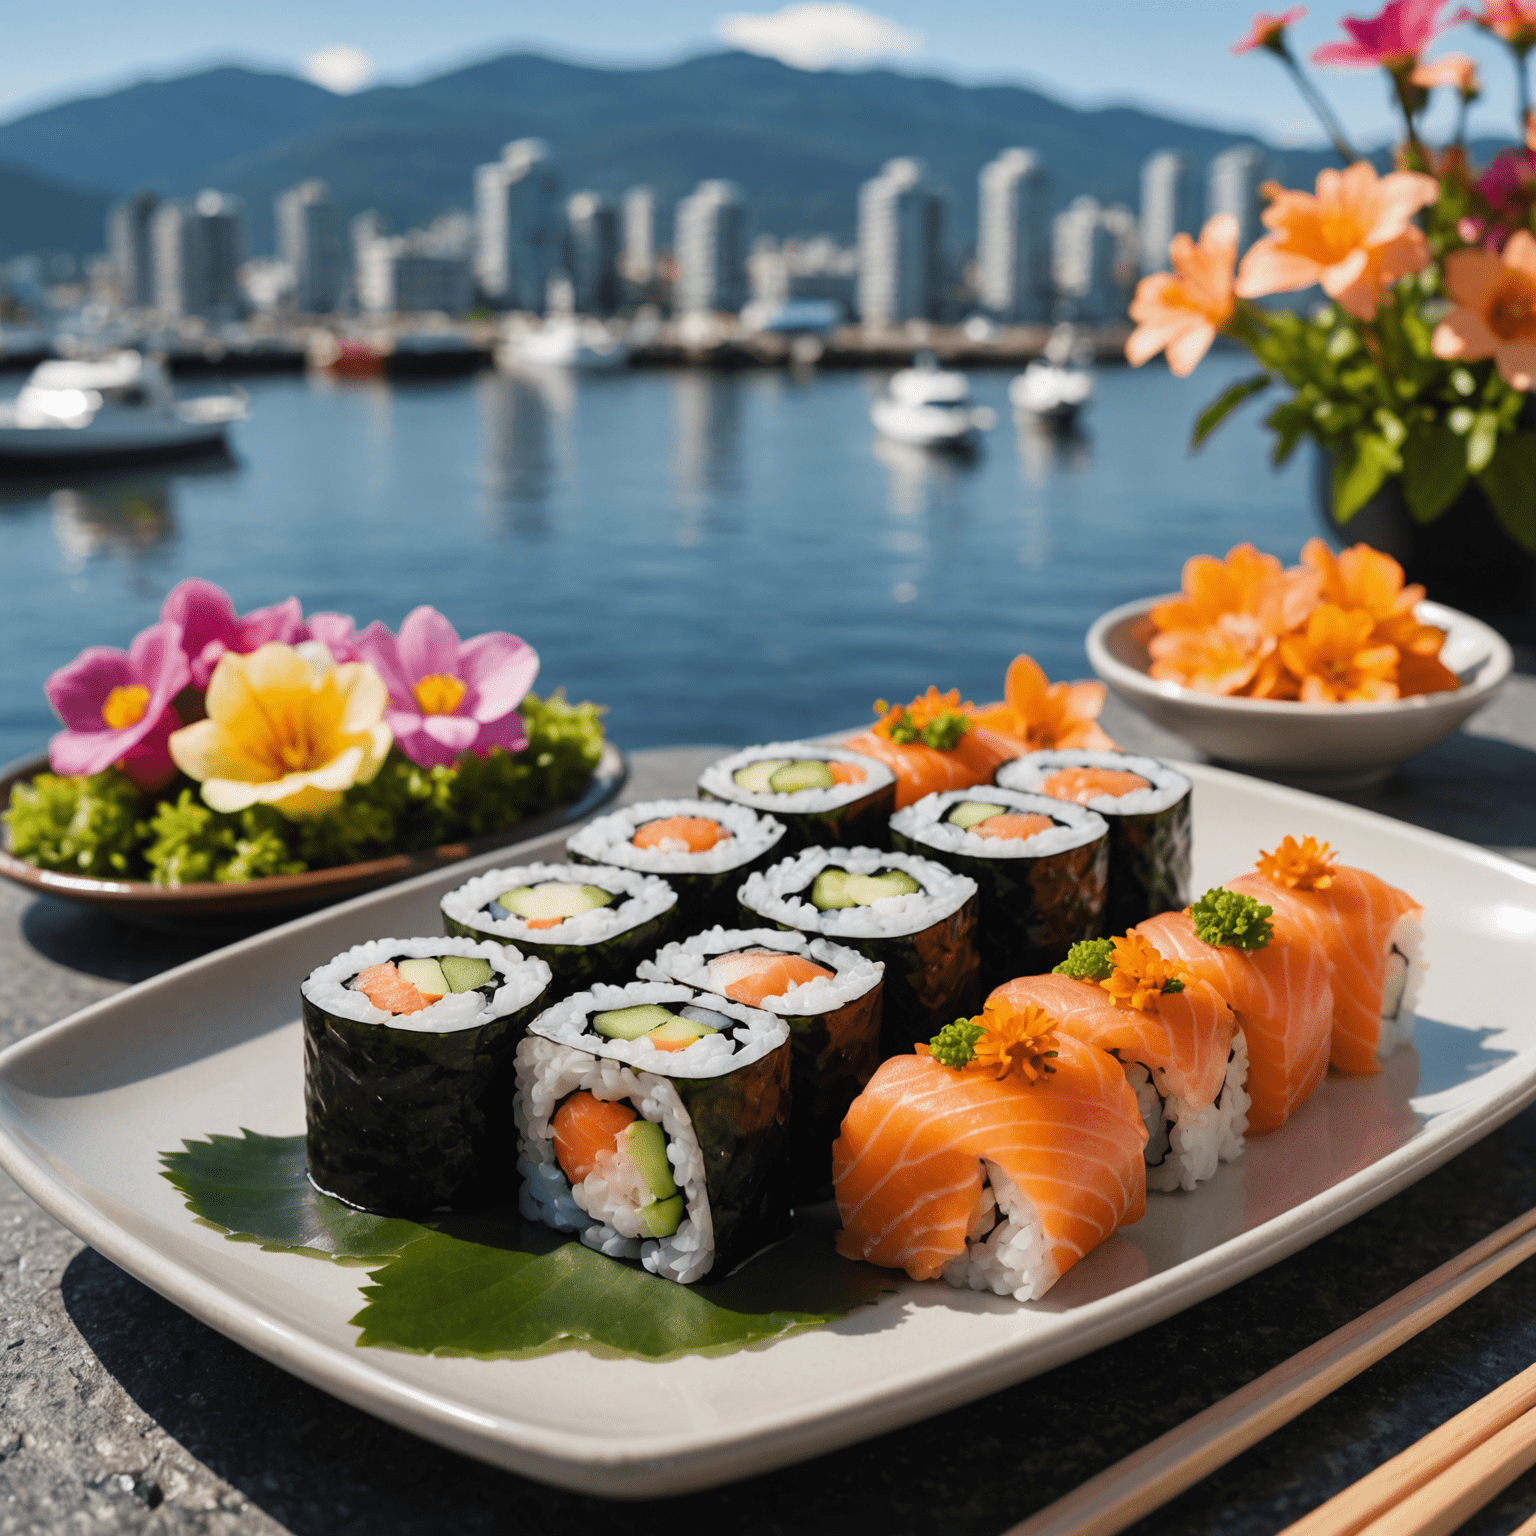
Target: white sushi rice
(923, 822)
(642, 898)
(718, 779)
(1168, 785)
(781, 894)
(609, 839)
(689, 963)
(1407, 939)
(522, 981)
(1012, 1257)
(1187, 1142)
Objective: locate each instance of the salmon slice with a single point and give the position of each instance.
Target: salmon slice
(386, 988)
(750, 975)
(583, 1128)
(923, 770)
(1183, 1041)
(542, 922)
(1283, 999)
(845, 773)
(1080, 785)
(680, 834)
(908, 1172)
(1353, 920)
(1012, 826)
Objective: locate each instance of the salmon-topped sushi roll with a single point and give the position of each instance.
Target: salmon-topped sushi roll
(996, 1156)
(1373, 933)
(1174, 1036)
(1277, 978)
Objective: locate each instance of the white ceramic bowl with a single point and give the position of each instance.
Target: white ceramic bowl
(1332, 746)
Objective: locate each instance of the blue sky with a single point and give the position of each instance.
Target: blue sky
(1171, 55)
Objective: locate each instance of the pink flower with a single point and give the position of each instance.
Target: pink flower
(1512, 20)
(337, 632)
(1269, 31)
(447, 696)
(116, 707)
(1394, 39)
(209, 626)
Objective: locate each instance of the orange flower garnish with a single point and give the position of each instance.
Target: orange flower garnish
(1045, 715)
(1495, 317)
(935, 719)
(1180, 312)
(1307, 865)
(1141, 974)
(1246, 582)
(1336, 661)
(1020, 1040)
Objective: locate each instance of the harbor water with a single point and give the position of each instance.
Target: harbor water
(716, 557)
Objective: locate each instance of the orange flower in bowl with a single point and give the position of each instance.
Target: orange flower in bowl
(1335, 660)
(1043, 715)
(1247, 582)
(1495, 314)
(1180, 312)
(1355, 237)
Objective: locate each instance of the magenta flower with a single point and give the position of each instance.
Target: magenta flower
(448, 696)
(1394, 39)
(210, 627)
(116, 707)
(336, 632)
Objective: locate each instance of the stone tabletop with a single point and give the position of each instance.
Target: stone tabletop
(119, 1413)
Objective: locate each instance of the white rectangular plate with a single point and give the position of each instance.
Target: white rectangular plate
(87, 1106)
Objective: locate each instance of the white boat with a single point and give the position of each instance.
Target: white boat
(565, 342)
(113, 409)
(930, 407)
(1056, 387)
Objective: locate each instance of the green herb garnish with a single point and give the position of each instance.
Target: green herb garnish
(1088, 960)
(1232, 919)
(955, 1044)
(943, 732)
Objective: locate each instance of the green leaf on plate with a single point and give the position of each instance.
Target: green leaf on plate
(255, 1188)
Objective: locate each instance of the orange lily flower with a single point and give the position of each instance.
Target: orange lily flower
(1221, 657)
(1246, 582)
(1512, 20)
(1495, 315)
(1454, 69)
(1180, 312)
(1268, 31)
(1354, 237)
(1045, 715)
(1335, 660)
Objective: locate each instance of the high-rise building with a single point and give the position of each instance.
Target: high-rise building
(817, 268)
(901, 241)
(309, 240)
(1232, 186)
(711, 249)
(638, 260)
(592, 239)
(131, 247)
(1013, 248)
(1084, 251)
(1169, 206)
(519, 228)
(197, 251)
(411, 274)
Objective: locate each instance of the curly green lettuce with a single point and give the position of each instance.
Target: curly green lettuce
(1088, 960)
(955, 1044)
(1230, 918)
(85, 826)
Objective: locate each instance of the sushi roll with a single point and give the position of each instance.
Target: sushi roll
(1147, 805)
(910, 913)
(995, 1156)
(587, 922)
(704, 849)
(822, 794)
(828, 994)
(1277, 979)
(1373, 933)
(1041, 867)
(1174, 1037)
(408, 1071)
(651, 1120)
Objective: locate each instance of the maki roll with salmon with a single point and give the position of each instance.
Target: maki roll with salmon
(587, 922)
(652, 1121)
(830, 996)
(1175, 1038)
(409, 1047)
(1372, 932)
(703, 849)
(821, 794)
(916, 917)
(1148, 807)
(995, 1156)
(1277, 979)
(1041, 868)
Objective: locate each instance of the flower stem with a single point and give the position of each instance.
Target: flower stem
(1314, 99)
(1400, 85)
(1523, 84)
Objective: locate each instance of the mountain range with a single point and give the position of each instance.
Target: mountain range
(798, 143)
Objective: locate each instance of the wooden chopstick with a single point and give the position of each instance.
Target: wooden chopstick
(1440, 1451)
(1148, 1478)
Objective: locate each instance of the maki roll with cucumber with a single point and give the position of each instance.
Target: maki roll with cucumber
(1148, 807)
(408, 1072)
(652, 1121)
(587, 922)
(823, 795)
(830, 996)
(1041, 867)
(704, 849)
(916, 917)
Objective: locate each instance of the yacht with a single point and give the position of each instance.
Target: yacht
(930, 407)
(564, 342)
(78, 411)
(1056, 387)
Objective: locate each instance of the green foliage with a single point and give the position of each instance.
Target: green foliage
(943, 733)
(1225, 403)
(85, 826)
(955, 1044)
(1434, 471)
(1510, 483)
(1232, 919)
(1089, 960)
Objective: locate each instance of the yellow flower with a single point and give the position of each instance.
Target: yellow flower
(1014, 1039)
(286, 728)
(1141, 975)
(1307, 865)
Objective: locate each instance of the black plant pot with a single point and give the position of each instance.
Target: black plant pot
(1463, 559)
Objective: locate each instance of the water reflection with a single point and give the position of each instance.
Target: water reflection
(519, 413)
(920, 476)
(706, 445)
(127, 518)
(1045, 450)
